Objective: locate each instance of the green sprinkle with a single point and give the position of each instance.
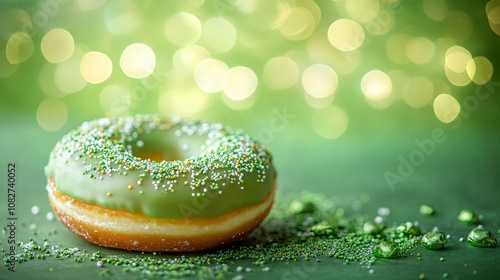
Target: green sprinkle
(481, 237)
(283, 237)
(445, 275)
(434, 240)
(386, 250)
(468, 217)
(426, 210)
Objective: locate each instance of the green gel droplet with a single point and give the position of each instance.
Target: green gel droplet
(386, 250)
(468, 217)
(426, 210)
(434, 240)
(481, 237)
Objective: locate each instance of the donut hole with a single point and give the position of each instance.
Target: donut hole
(166, 146)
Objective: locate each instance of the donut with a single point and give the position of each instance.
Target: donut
(158, 184)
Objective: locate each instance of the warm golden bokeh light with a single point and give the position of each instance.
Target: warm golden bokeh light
(183, 29)
(395, 48)
(376, 85)
(480, 70)
(319, 80)
(299, 24)
(57, 45)
(436, 10)
(456, 60)
(19, 48)
(96, 67)
(419, 93)
(330, 122)
(223, 30)
(381, 24)
(420, 50)
(68, 77)
(320, 50)
(346, 34)
(122, 17)
(241, 83)
(493, 14)
(138, 61)
(362, 10)
(51, 114)
(446, 108)
(280, 73)
(186, 59)
(198, 55)
(211, 75)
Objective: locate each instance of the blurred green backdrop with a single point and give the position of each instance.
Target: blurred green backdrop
(337, 66)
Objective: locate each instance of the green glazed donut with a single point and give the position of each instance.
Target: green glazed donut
(159, 170)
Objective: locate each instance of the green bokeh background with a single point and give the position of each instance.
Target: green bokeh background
(462, 171)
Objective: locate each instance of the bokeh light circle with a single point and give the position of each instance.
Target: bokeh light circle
(219, 35)
(241, 83)
(19, 48)
(96, 67)
(122, 17)
(51, 114)
(299, 24)
(346, 34)
(362, 10)
(376, 85)
(211, 75)
(57, 45)
(396, 48)
(330, 122)
(436, 10)
(480, 70)
(68, 77)
(446, 108)
(183, 29)
(319, 80)
(280, 73)
(186, 59)
(456, 60)
(420, 50)
(138, 61)
(419, 92)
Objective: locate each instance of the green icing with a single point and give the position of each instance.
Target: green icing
(210, 171)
